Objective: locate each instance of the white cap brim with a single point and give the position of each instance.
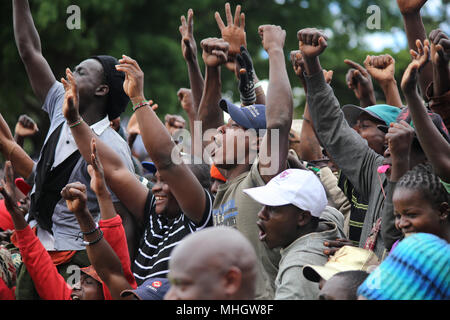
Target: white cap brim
(267, 196)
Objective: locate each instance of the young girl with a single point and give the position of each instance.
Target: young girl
(421, 204)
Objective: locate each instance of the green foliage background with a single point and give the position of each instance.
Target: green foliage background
(148, 32)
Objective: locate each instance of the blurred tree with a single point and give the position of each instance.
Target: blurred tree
(148, 32)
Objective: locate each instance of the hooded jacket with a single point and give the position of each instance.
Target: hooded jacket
(308, 249)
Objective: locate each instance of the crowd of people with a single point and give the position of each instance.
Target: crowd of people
(353, 207)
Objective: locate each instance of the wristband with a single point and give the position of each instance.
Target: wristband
(92, 231)
(75, 124)
(100, 237)
(258, 84)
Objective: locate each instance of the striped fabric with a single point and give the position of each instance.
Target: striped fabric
(358, 209)
(161, 236)
(417, 269)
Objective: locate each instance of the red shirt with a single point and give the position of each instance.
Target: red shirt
(6, 222)
(49, 284)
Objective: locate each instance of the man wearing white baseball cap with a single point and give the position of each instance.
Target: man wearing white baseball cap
(296, 218)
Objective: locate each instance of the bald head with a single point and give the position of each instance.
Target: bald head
(215, 263)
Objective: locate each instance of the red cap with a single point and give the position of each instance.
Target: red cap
(24, 187)
(215, 174)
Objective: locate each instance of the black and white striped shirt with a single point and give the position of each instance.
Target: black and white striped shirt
(160, 238)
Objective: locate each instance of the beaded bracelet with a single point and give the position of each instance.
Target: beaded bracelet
(92, 231)
(95, 241)
(75, 124)
(140, 105)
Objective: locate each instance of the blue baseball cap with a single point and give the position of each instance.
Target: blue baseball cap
(381, 112)
(149, 166)
(151, 289)
(249, 117)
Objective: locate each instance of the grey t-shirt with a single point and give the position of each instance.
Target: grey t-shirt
(65, 226)
(233, 208)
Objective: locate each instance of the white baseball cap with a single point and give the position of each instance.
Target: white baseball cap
(300, 188)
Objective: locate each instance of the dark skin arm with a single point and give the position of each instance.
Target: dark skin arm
(279, 107)
(215, 53)
(436, 148)
(25, 127)
(122, 182)
(382, 69)
(8, 191)
(440, 57)
(160, 147)
(189, 49)
(309, 144)
(359, 80)
(415, 30)
(21, 161)
(105, 261)
(29, 45)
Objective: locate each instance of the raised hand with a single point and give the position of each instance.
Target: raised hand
(233, 33)
(186, 100)
(133, 126)
(272, 37)
(71, 105)
(381, 68)
(95, 170)
(134, 78)
(312, 42)
(298, 64)
(26, 127)
(359, 80)
(75, 196)
(215, 51)
(188, 44)
(440, 48)
(410, 6)
(9, 189)
(420, 59)
(246, 77)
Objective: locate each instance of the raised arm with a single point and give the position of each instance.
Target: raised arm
(436, 148)
(100, 253)
(382, 69)
(359, 80)
(279, 105)
(309, 148)
(161, 148)
(440, 57)
(39, 264)
(25, 127)
(348, 150)
(189, 49)
(20, 160)
(215, 53)
(29, 45)
(122, 182)
(414, 28)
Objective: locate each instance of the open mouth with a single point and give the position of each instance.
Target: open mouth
(75, 297)
(262, 231)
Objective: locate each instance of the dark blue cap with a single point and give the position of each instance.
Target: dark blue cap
(249, 117)
(149, 166)
(151, 289)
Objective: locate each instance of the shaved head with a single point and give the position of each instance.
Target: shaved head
(215, 263)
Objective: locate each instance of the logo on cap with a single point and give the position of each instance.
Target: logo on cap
(156, 284)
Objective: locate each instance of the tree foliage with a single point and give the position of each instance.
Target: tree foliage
(148, 32)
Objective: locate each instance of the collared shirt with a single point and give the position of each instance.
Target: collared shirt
(66, 230)
(67, 145)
